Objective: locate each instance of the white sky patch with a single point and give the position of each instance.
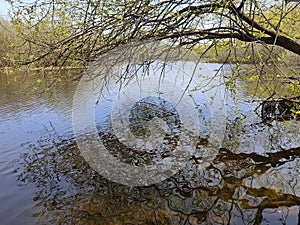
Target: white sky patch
(4, 7)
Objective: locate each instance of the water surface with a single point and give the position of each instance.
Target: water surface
(252, 179)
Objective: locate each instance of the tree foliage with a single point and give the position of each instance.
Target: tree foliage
(83, 30)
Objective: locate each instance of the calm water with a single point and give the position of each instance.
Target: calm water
(253, 177)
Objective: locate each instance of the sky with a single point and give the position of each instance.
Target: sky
(4, 6)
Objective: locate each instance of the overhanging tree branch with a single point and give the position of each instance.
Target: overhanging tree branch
(105, 25)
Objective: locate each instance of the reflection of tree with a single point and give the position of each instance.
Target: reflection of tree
(259, 165)
(30, 87)
(70, 192)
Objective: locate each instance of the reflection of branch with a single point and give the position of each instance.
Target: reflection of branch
(272, 199)
(274, 159)
(48, 165)
(260, 164)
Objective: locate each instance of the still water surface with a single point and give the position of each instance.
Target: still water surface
(44, 180)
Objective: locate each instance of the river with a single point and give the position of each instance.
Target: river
(45, 180)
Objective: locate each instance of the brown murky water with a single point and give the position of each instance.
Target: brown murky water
(252, 179)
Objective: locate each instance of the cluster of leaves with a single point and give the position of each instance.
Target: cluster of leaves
(81, 31)
(8, 43)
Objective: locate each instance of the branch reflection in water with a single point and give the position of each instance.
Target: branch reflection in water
(254, 179)
(236, 188)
